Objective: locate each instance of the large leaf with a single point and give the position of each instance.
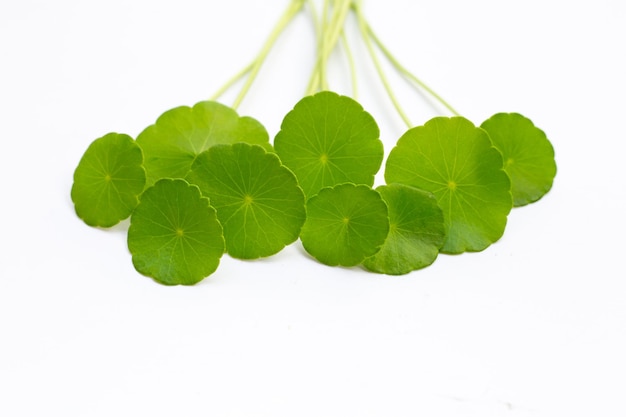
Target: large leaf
(174, 235)
(416, 231)
(456, 161)
(179, 135)
(258, 200)
(528, 155)
(345, 224)
(329, 139)
(108, 180)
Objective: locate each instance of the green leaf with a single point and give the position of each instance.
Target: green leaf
(179, 135)
(455, 160)
(174, 235)
(258, 200)
(527, 153)
(108, 180)
(345, 224)
(416, 231)
(329, 139)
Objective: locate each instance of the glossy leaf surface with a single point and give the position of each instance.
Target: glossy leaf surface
(328, 139)
(527, 153)
(345, 224)
(174, 235)
(416, 231)
(258, 200)
(108, 180)
(179, 135)
(455, 160)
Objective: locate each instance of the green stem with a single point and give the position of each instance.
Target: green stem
(319, 25)
(331, 30)
(379, 69)
(294, 7)
(402, 70)
(232, 81)
(351, 63)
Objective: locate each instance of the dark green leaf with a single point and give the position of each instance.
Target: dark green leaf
(258, 200)
(174, 234)
(108, 180)
(179, 135)
(329, 139)
(416, 231)
(455, 160)
(345, 224)
(528, 155)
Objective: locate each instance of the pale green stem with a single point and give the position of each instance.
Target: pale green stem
(321, 66)
(317, 25)
(319, 33)
(330, 33)
(232, 81)
(379, 69)
(353, 76)
(290, 13)
(402, 70)
(337, 24)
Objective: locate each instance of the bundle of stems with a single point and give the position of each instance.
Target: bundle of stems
(329, 24)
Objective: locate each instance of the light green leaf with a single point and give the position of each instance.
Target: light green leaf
(455, 160)
(345, 224)
(416, 231)
(258, 200)
(527, 153)
(179, 135)
(108, 180)
(329, 139)
(174, 235)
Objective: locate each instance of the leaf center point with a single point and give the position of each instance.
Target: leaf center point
(247, 200)
(324, 159)
(452, 185)
(180, 232)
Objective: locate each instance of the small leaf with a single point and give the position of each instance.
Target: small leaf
(455, 160)
(416, 231)
(527, 153)
(179, 135)
(329, 139)
(174, 235)
(258, 200)
(108, 180)
(345, 224)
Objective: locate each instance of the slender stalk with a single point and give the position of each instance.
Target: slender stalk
(319, 25)
(334, 15)
(232, 81)
(403, 71)
(333, 32)
(294, 7)
(321, 65)
(368, 43)
(330, 29)
(351, 63)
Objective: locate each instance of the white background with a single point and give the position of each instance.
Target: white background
(533, 326)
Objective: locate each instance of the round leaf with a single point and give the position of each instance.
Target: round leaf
(329, 139)
(174, 235)
(179, 135)
(108, 180)
(527, 153)
(456, 161)
(258, 200)
(345, 224)
(416, 231)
